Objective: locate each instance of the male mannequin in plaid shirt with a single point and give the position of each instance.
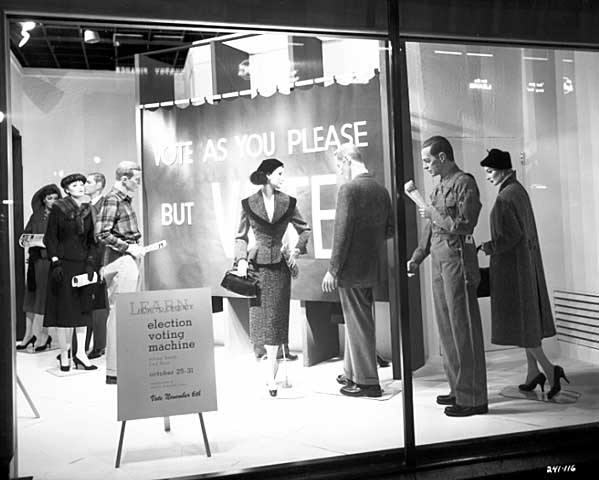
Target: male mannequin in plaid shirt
(117, 230)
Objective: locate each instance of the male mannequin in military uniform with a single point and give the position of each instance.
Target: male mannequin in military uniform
(451, 219)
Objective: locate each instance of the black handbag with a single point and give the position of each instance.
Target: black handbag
(484, 287)
(243, 286)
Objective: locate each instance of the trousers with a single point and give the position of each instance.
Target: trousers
(359, 360)
(97, 330)
(122, 276)
(455, 279)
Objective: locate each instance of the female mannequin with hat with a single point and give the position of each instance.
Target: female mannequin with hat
(268, 212)
(520, 307)
(71, 247)
(38, 265)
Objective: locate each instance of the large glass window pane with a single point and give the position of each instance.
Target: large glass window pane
(540, 106)
(200, 120)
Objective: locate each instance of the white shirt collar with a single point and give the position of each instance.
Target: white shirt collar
(269, 204)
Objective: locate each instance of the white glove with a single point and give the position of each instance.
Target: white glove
(412, 268)
(242, 268)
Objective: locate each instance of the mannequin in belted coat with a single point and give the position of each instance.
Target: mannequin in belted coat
(268, 212)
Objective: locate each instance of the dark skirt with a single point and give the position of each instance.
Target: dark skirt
(269, 312)
(67, 306)
(35, 302)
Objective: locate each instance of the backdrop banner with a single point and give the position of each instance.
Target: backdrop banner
(196, 167)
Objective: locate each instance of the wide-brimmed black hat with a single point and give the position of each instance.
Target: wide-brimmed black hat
(497, 159)
(73, 177)
(37, 201)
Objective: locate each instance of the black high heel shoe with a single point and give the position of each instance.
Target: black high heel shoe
(540, 379)
(558, 372)
(78, 363)
(23, 346)
(43, 347)
(63, 368)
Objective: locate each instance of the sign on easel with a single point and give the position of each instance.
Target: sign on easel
(165, 353)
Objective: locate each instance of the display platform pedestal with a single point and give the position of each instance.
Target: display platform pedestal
(320, 338)
(390, 388)
(564, 396)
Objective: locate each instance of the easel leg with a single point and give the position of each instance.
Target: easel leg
(28, 398)
(167, 424)
(120, 448)
(206, 444)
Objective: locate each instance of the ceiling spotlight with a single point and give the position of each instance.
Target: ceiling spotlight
(91, 36)
(26, 27)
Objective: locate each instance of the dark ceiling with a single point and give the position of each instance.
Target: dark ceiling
(55, 44)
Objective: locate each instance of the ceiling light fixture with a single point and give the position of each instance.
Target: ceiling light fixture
(26, 27)
(90, 36)
(473, 54)
(539, 59)
(447, 52)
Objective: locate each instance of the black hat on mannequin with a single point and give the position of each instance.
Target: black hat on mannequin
(497, 159)
(73, 177)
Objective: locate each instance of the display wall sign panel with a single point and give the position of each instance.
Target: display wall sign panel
(165, 353)
(196, 167)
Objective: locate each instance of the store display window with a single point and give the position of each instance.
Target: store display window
(216, 215)
(205, 157)
(533, 108)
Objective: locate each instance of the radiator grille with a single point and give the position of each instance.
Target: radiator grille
(577, 318)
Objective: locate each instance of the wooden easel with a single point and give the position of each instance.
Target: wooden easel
(167, 428)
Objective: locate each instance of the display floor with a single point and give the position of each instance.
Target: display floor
(77, 433)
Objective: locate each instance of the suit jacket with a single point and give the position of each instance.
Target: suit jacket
(363, 221)
(269, 235)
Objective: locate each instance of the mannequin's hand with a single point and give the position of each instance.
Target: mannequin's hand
(329, 283)
(426, 212)
(293, 256)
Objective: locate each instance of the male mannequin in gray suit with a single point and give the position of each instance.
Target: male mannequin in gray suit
(363, 221)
